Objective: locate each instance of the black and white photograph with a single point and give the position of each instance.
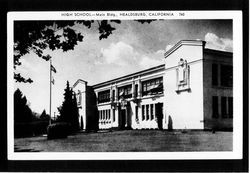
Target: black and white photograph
(125, 85)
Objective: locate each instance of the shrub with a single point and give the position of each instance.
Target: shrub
(22, 130)
(30, 129)
(39, 127)
(58, 130)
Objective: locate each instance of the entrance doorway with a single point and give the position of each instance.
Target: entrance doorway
(122, 114)
(81, 123)
(159, 114)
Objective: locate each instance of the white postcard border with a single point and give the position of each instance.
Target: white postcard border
(236, 16)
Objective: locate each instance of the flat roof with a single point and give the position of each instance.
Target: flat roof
(219, 52)
(126, 77)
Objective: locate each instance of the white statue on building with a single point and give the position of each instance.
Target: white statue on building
(182, 75)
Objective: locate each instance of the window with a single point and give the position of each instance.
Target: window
(214, 74)
(136, 90)
(147, 112)
(113, 115)
(227, 107)
(136, 113)
(152, 111)
(226, 75)
(224, 107)
(153, 86)
(79, 98)
(103, 114)
(230, 107)
(113, 95)
(125, 91)
(215, 107)
(104, 96)
(143, 112)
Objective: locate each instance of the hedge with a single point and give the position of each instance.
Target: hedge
(58, 130)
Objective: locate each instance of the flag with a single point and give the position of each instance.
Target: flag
(53, 81)
(52, 68)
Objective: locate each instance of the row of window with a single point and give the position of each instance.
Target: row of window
(125, 91)
(226, 105)
(153, 86)
(222, 77)
(106, 115)
(148, 112)
(104, 96)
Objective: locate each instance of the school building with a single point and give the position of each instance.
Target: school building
(193, 89)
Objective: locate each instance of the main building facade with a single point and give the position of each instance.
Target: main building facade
(191, 90)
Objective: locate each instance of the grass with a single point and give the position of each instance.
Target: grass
(130, 140)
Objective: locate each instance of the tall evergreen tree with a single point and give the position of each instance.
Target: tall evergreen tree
(22, 112)
(44, 116)
(69, 111)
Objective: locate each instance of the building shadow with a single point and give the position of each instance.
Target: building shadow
(92, 110)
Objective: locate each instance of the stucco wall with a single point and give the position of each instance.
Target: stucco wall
(108, 123)
(81, 86)
(184, 108)
(145, 124)
(210, 90)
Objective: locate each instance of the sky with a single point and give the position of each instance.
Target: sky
(132, 47)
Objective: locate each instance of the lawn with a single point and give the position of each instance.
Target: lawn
(130, 140)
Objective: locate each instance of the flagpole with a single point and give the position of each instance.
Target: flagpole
(50, 93)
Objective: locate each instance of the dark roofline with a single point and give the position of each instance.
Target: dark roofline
(220, 52)
(119, 79)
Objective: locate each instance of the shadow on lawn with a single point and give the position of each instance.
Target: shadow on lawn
(16, 149)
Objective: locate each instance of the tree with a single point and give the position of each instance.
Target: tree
(36, 36)
(22, 112)
(69, 110)
(44, 116)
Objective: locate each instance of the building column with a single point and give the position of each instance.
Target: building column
(116, 93)
(126, 117)
(150, 115)
(133, 88)
(111, 93)
(139, 88)
(111, 116)
(100, 122)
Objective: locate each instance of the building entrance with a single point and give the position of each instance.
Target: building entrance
(122, 117)
(159, 114)
(81, 122)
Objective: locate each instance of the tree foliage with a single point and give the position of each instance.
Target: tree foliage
(36, 36)
(44, 116)
(22, 112)
(69, 110)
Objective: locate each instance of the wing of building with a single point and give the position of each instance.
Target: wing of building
(193, 89)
